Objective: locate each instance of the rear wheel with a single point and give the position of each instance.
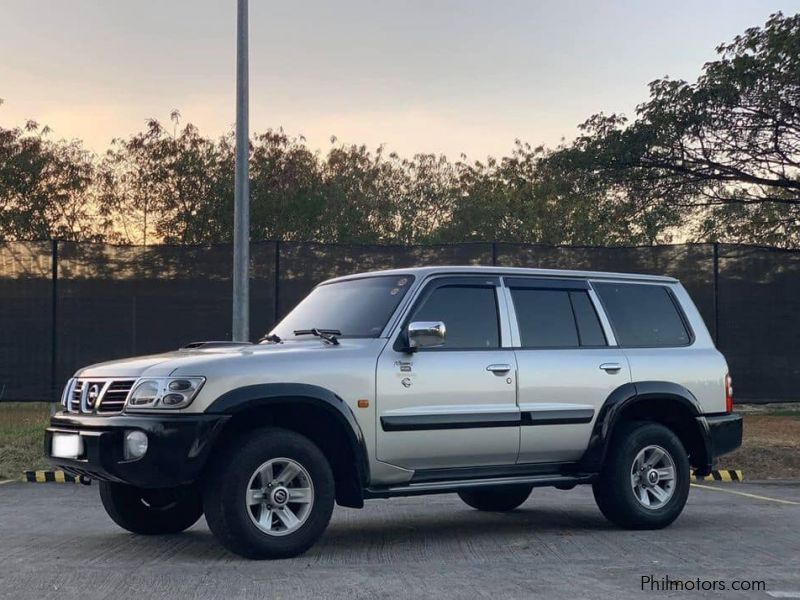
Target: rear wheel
(151, 512)
(496, 499)
(270, 497)
(645, 481)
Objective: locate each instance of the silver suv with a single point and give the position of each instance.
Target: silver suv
(485, 382)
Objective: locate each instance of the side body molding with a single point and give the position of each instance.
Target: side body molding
(625, 396)
(267, 394)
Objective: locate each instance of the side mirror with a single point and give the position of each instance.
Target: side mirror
(425, 334)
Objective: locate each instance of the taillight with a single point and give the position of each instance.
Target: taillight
(728, 394)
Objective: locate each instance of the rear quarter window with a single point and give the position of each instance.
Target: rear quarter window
(643, 315)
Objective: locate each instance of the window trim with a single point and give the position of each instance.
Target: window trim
(675, 302)
(605, 322)
(565, 285)
(429, 285)
(578, 326)
(543, 283)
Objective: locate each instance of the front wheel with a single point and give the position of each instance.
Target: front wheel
(271, 496)
(645, 481)
(151, 512)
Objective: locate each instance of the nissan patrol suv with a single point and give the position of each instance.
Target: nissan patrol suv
(484, 382)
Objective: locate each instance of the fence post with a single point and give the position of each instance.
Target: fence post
(716, 293)
(494, 254)
(53, 319)
(276, 311)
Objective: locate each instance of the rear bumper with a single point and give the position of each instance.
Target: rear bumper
(723, 434)
(178, 447)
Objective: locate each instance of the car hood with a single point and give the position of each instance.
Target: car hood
(213, 355)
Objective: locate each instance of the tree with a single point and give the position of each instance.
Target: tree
(158, 186)
(175, 187)
(716, 159)
(725, 149)
(285, 188)
(548, 197)
(45, 186)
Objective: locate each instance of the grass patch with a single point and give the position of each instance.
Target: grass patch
(22, 427)
(771, 448)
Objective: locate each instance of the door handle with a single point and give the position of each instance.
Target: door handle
(499, 369)
(611, 367)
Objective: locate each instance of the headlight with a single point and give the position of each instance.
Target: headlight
(164, 392)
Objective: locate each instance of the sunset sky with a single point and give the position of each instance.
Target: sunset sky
(445, 76)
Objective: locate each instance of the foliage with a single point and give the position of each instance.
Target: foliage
(176, 188)
(724, 150)
(44, 186)
(716, 159)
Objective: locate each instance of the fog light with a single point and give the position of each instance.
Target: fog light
(135, 444)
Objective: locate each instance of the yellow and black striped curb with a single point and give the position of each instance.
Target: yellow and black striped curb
(52, 477)
(62, 477)
(721, 475)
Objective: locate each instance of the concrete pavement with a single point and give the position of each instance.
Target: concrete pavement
(57, 542)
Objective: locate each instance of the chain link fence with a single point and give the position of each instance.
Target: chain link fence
(67, 304)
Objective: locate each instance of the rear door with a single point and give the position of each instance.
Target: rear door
(454, 405)
(567, 361)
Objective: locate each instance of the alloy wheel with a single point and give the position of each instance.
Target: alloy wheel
(280, 496)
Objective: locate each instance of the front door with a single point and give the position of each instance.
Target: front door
(453, 405)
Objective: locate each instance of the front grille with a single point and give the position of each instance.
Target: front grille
(99, 396)
(75, 396)
(116, 393)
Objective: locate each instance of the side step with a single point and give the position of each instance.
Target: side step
(446, 487)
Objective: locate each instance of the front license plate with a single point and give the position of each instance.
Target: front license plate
(66, 445)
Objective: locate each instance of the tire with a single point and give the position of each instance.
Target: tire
(623, 490)
(497, 499)
(243, 502)
(151, 512)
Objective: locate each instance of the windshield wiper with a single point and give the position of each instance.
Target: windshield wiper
(329, 335)
(275, 339)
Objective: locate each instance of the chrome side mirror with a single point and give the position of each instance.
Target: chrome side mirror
(425, 334)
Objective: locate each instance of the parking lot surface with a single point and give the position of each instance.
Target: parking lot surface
(57, 542)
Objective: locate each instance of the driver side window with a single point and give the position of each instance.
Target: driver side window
(468, 312)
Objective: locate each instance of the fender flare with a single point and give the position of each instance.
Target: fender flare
(625, 396)
(268, 394)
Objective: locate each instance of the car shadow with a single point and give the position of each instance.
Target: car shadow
(355, 533)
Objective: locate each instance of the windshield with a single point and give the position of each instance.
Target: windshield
(356, 307)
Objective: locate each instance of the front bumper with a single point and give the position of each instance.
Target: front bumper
(723, 434)
(178, 447)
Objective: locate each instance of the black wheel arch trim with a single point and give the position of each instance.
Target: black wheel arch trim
(632, 393)
(267, 394)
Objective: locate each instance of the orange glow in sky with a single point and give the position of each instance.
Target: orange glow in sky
(446, 76)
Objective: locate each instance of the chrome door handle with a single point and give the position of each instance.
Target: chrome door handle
(499, 369)
(611, 367)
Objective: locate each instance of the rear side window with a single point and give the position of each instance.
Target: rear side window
(469, 315)
(643, 315)
(552, 318)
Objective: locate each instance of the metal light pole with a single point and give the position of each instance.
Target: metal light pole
(241, 192)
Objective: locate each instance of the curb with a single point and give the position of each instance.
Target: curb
(721, 475)
(62, 477)
(53, 477)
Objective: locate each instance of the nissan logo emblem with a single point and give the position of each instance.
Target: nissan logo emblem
(94, 392)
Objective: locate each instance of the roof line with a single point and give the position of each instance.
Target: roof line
(564, 273)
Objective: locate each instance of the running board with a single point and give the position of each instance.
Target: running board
(446, 487)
